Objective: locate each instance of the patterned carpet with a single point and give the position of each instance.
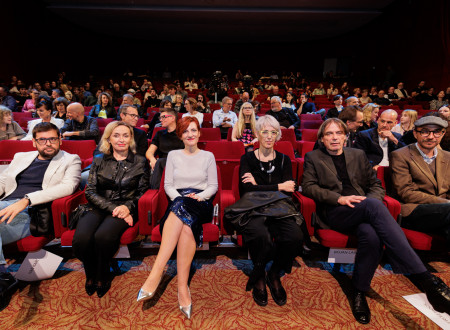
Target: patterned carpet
(315, 300)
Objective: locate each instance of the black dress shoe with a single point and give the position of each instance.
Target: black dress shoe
(438, 294)
(102, 289)
(8, 284)
(276, 289)
(360, 308)
(260, 296)
(90, 288)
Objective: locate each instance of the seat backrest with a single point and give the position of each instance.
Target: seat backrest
(82, 148)
(309, 134)
(310, 124)
(226, 149)
(8, 148)
(103, 122)
(307, 147)
(310, 116)
(18, 115)
(210, 134)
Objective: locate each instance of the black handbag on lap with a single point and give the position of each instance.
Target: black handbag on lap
(76, 215)
(41, 220)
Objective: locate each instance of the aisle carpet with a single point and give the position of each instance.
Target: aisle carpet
(316, 300)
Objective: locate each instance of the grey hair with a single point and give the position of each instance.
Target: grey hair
(268, 120)
(277, 98)
(349, 98)
(128, 96)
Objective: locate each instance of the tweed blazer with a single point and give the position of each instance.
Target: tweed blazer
(322, 183)
(413, 182)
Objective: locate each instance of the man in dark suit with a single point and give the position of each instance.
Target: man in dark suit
(285, 116)
(421, 179)
(379, 142)
(349, 199)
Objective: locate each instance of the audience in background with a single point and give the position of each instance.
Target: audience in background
(78, 126)
(9, 129)
(406, 123)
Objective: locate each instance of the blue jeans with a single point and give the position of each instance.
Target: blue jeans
(17, 229)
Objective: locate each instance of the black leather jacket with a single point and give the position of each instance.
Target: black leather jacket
(112, 183)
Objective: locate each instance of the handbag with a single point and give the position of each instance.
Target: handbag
(77, 214)
(41, 220)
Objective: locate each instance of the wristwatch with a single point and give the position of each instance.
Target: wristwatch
(28, 198)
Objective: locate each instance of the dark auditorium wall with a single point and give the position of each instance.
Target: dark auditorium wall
(408, 36)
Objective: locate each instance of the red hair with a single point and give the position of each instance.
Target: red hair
(184, 123)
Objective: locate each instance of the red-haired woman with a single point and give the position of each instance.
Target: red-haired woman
(191, 193)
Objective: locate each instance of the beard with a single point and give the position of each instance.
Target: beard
(48, 153)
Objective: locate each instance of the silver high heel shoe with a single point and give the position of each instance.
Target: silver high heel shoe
(144, 295)
(186, 310)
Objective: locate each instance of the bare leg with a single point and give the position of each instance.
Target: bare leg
(170, 236)
(185, 254)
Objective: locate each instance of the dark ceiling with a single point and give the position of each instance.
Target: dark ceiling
(220, 20)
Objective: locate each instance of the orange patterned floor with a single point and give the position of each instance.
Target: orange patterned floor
(315, 300)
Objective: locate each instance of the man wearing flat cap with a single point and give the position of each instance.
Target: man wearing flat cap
(421, 179)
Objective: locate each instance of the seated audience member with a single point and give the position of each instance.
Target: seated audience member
(9, 129)
(117, 179)
(224, 118)
(401, 91)
(56, 93)
(269, 237)
(353, 119)
(439, 102)
(344, 89)
(78, 126)
(379, 142)
(391, 95)
(427, 95)
(7, 100)
(289, 101)
(349, 199)
(285, 116)
(152, 100)
(44, 111)
(191, 194)
(332, 90)
(202, 106)
(357, 92)
(163, 142)
(364, 99)
(370, 115)
(87, 97)
(245, 128)
(60, 108)
(352, 101)
(334, 112)
(178, 105)
(136, 101)
(304, 106)
(373, 94)
(30, 104)
(104, 107)
(182, 92)
(22, 96)
(191, 107)
(319, 90)
(406, 123)
(275, 92)
(444, 112)
(129, 99)
(382, 99)
(172, 93)
(420, 178)
(34, 178)
(245, 97)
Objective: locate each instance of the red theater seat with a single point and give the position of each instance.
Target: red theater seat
(8, 149)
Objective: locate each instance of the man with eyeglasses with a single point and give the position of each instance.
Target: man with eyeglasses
(421, 179)
(379, 142)
(349, 199)
(224, 118)
(33, 178)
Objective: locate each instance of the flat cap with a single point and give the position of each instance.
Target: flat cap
(431, 120)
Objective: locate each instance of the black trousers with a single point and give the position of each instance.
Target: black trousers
(374, 227)
(95, 242)
(274, 239)
(430, 218)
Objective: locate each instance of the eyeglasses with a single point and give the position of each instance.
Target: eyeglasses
(131, 115)
(43, 141)
(247, 108)
(425, 132)
(266, 133)
(165, 116)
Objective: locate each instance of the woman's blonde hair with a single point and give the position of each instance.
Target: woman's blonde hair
(105, 147)
(241, 121)
(3, 112)
(367, 111)
(412, 114)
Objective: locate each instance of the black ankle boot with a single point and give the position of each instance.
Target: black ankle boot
(438, 294)
(8, 285)
(259, 292)
(360, 308)
(103, 288)
(276, 288)
(90, 287)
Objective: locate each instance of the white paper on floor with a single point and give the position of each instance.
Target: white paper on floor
(342, 256)
(420, 301)
(123, 252)
(38, 265)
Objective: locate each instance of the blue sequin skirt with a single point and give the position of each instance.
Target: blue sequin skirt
(192, 212)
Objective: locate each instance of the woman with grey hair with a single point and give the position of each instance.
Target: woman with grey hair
(9, 129)
(266, 175)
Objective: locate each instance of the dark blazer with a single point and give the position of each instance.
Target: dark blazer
(413, 181)
(322, 184)
(307, 107)
(292, 117)
(369, 142)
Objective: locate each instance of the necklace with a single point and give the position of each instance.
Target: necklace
(271, 166)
